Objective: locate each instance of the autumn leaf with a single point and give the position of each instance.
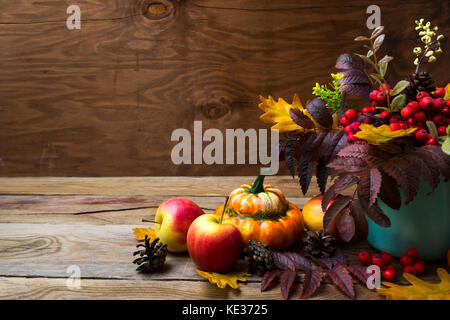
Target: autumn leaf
(419, 289)
(222, 280)
(381, 134)
(278, 112)
(142, 232)
(447, 91)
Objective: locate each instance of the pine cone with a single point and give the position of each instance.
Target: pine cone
(259, 257)
(151, 258)
(319, 245)
(421, 81)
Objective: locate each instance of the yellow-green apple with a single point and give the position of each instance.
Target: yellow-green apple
(172, 221)
(313, 215)
(214, 246)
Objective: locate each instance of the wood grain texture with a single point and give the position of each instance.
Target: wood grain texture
(94, 209)
(147, 186)
(103, 100)
(101, 252)
(54, 289)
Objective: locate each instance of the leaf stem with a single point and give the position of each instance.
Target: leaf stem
(377, 69)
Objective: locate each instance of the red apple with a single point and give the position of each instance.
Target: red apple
(172, 221)
(214, 246)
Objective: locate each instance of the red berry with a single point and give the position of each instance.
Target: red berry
(406, 260)
(390, 267)
(350, 114)
(442, 131)
(406, 112)
(412, 122)
(365, 110)
(439, 120)
(422, 94)
(377, 260)
(418, 261)
(348, 128)
(389, 275)
(381, 98)
(431, 142)
(372, 109)
(439, 93)
(394, 126)
(427, 103)
(420, 116)
(374, 103)
(344, 121)
(364, 257)
(414, 105)
(421, 135)
(446, 110)
(368, 120)
(385, 86)
(409, 269)
(419, 267)
(448, 102)
(359, 114)
(386, 257)
(385, 115)
(351, 137)
(354, 127)
(395, 119)
(403, 125)
(373, 95)
(439, 104)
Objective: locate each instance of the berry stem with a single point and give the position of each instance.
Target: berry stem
(377, 69)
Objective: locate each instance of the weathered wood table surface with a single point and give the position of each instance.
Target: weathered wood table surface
(49, 224)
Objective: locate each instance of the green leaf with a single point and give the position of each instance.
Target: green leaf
(448, 130)
(385, 59)
(361, 38)
(399, 87)
(446, 146)
(432, 128)
(382, 108)
(378, 42)
(369, 53)
(366, 59)
(377, 78)
(398, 102)
(377, 32)
(383, 68)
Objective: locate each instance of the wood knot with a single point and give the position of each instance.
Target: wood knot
(158, 9)
(214, 110)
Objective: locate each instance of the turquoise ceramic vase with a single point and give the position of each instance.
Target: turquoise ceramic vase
(424, 224)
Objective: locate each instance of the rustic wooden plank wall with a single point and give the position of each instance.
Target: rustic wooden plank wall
(103, 100)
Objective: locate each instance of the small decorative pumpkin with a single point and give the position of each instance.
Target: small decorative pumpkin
(262, 213)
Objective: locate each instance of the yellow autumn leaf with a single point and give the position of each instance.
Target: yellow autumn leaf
(142, 232)
(278, 112)
(381, 134)
(447, 91)
(222, 280)
(419, 289)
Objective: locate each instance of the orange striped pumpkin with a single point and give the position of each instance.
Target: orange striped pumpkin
(262, 213)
